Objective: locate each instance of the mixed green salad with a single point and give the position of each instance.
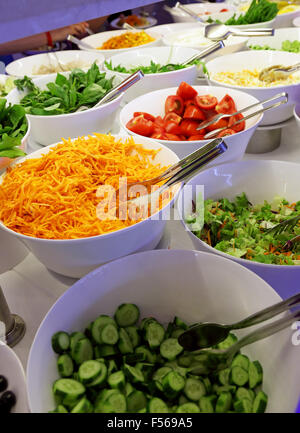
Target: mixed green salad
(13, 127)
(65, 94)
(259, 11)
(119, 364)
(153, 68)
(240, 229)
(6, 86)
(290, 46)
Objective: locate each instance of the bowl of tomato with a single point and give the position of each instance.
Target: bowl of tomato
(172, 116)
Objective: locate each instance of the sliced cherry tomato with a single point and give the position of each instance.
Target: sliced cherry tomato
(185, 91)
(206, 102)
(173, 128)
(193, 112)
(196, 137)
(224, 10)
(226, 105)
(240, 126)
(190, 102)
(172, 137)
(172, 117)
(174, 104)
(158, 130)
(141, 126)
(226, 132)
(145, 115)
(158, 135)
(182, 137)
(159, 122)
(189, 127)
(219, 124)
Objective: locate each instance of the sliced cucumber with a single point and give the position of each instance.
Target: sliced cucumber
(60, 342)
(65, 365)
(127, 315)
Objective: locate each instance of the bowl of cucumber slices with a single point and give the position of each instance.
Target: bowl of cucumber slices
(110, 343)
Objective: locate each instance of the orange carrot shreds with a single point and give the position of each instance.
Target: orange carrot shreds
(55, 196)
(127, 40)
(208, 237)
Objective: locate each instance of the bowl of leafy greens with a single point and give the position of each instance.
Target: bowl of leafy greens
(51, 103)
(14, 132)
(287, 39)
(233, 214)
(161, 67)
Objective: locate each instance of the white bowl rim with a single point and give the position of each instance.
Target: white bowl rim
(235, 86)
(221, 253)
(171, 142)
(295, 112)
(287, 14)
(105, 235)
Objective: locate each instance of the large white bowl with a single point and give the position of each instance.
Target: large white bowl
(258, 60)
(51, 129)
(77, 257)
(154, 102)
(99, 38)
(296, 22)
(202, 10)
(286, 19)
(275, 41)
(260, 180)
(28, 65)
(161, 55)
(12, 369)
(194, 38)
(194, 286)
(224, 16)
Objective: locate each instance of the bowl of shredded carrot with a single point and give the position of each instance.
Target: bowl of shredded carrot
(118, 41)
(63, 201)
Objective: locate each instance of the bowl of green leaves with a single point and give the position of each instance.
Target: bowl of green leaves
(51, 103)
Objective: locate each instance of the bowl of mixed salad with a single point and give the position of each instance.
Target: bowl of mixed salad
(93, 355)
(240, 203)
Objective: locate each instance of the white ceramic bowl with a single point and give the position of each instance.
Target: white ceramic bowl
(296, 22)
(275, 41)
(166, 29)
(224, 16)
(99, 38)
(286, 19)
(151, 21)
(202, 10)
(161, 55)
(30, 65)
(12, 369)
(51, 129)
(260, 180)
(153, 103)
(194, 38)
(165, 283)
(258, 60)
(77, 257)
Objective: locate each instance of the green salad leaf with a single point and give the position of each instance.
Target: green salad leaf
(65, 94)
(13, 127)
(153, 68)
(290, 46)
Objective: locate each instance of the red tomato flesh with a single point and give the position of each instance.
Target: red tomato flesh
(174, 104)
(140, 126)
(206, 102)
(185, 91)
(240, 126)
(193, 112)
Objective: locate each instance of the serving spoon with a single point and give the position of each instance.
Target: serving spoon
(80, 43)
(217, 32)
(277, 72)
(206, 335)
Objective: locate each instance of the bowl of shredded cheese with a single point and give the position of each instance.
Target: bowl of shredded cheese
(63, 202)
(241, 71)
(118, 41)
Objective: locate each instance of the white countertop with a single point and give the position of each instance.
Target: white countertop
(31, 289)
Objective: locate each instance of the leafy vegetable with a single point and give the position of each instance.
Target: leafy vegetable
(13, 127)
(290, 46)
(65, 94)
(259, 11)
(153, 68)
(239, 228)
(6, 86)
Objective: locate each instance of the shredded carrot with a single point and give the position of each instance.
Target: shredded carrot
(208, 237)
(54, 196)
(127, 40)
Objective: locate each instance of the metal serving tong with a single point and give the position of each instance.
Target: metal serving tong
(208, 334)
(211, 134)
(189, 12)
(80, 43)
(217, 32)
(277, 72)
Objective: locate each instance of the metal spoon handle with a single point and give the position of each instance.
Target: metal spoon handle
(127, 26)
(268, 313)
(293, 68)
(209, 50)
(124, 85)
(80, 43)
(189, 12)
(264, 332)
(256, 32)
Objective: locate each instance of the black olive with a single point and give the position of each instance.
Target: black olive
(3, 383)
(8, 400)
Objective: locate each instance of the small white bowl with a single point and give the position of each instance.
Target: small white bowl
(29, 65)
(12, 369)
(286, 19)
(296, 22)
(291, 34)
(258, 60)
(260, 180)
(203, 10)
(151, 21)
(224, 16)
(77, 257)
(99, 38)
(194, 286)
(161, 55)
(154, 102)
(195, 38)
(51, 129)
